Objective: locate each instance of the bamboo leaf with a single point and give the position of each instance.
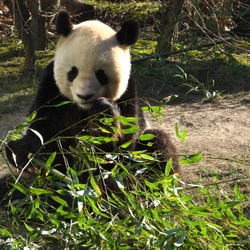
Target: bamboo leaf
(168, 167)
(126, 144)
(62, 104)
(38, 135)
(95, 186)
(31, 117)
(180, 240)
(181, 135)
(20, 188)
(146, 137)
(40, 191)
(132, 129)
(193, 158)
(29, 228)
(50, 160)
(59, 200)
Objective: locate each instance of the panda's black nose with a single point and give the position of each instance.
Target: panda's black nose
(85, 97)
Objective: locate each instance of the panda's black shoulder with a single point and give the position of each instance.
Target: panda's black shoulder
(48, 91)
(48, 81)
(131, 91)
(130, 105)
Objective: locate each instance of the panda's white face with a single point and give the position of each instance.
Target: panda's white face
(90, 63)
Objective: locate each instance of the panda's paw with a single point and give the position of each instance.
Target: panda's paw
(17, 154)
(98, 125)
(105, 107)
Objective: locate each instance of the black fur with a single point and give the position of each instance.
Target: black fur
(102, 77)
(63, 23)
(129, 33)
(72, 74)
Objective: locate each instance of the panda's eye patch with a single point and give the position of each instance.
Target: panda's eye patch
(72, 74)
(101, 77)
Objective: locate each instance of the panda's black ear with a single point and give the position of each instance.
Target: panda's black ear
(129, 33)
(63, 23)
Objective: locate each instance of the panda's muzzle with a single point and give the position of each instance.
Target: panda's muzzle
(85, 97)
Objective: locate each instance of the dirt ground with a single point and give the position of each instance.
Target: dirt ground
(219, 130)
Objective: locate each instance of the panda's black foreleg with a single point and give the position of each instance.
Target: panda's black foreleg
(162, 146)
(17, 152)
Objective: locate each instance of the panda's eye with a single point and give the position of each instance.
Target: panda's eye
(101, 77)
(72, 74)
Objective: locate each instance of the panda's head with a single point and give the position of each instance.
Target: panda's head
(92, 60)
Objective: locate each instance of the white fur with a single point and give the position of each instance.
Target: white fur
(92, 46)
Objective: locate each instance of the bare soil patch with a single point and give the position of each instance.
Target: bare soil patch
(219, 130)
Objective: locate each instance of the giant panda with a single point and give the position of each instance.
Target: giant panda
(89, 79)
